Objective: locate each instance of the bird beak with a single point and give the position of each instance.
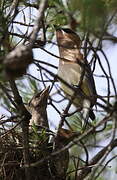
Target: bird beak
(45, 92)
(59, 35)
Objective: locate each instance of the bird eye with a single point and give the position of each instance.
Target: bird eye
(66, 30)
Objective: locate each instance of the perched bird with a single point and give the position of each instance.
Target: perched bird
(39, 126)
(37, 107)
(75, 71)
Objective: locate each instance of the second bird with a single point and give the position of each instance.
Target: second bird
(76, 72)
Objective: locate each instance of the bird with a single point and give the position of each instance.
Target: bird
(38, 125)
(38, 108)
(75, 70)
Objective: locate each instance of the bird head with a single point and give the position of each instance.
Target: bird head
(40, 99)
(67, 38)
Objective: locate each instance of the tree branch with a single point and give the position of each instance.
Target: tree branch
(25, 116)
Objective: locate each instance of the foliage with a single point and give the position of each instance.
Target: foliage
(88, 150)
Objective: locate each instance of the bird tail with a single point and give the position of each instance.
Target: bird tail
(87, 111)
(91, 115)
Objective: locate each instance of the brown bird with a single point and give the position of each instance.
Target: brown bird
(76, 71)
(37, 107)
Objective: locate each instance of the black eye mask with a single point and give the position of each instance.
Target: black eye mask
(68, 30)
